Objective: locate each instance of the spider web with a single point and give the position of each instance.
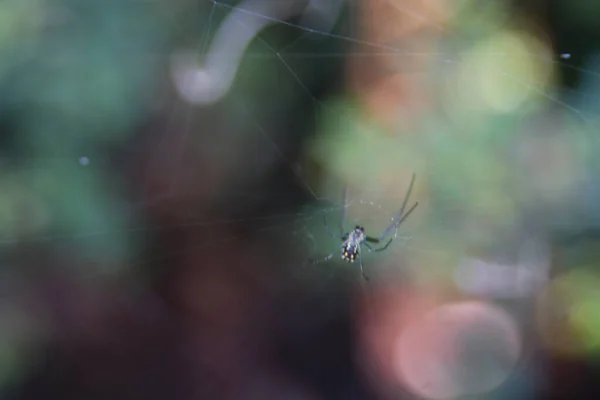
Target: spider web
(313, 21)
(365, 208)
(242, 50)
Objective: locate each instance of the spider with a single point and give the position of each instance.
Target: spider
(350, 249)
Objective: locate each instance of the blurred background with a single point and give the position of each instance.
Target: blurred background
(166, 168)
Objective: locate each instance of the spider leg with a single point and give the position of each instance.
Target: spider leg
(371, 239)
(372, 250)
(362, 270)
(400, 216)
(391, 228)
(329, 257)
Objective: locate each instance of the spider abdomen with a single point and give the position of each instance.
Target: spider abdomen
(350, 252)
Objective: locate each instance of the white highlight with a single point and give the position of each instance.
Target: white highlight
(524, 278)
(208, 83)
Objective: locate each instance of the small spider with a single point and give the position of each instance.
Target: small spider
(350, 248)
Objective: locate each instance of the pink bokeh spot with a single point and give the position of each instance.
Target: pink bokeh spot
(458, 349)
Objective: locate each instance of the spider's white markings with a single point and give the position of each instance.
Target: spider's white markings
(350, 249)
(208, 83)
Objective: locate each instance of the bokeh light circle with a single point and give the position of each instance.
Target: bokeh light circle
(459, 349)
